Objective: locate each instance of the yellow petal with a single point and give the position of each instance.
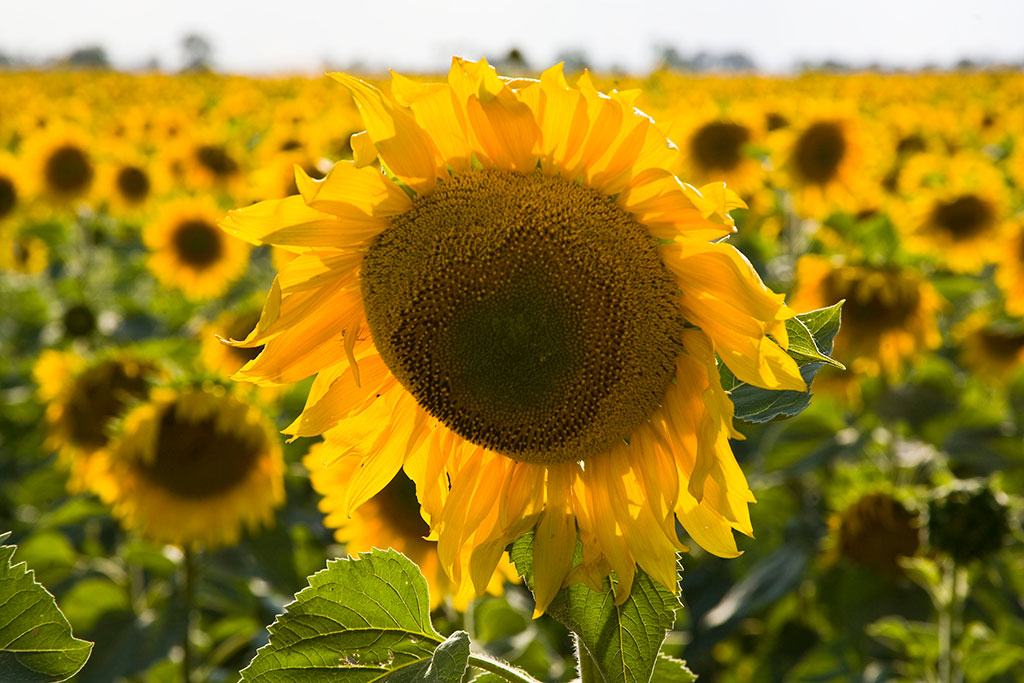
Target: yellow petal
(554, 541)
(405, 147)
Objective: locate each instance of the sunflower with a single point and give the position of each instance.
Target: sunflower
(888, 317)
(22, 252)
(10, 186)
(1010, 271)
(876, 531)
(189, 253)
(826, 160)
(391, 519)
(523, 313)
(956, 210)
(131, 182)
(718, 146)
(192, 467)
(83, 398)
(226, 358)
(62, 164)
(991, 347)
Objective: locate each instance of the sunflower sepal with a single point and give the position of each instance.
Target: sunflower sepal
(631, 655)
(810, 338)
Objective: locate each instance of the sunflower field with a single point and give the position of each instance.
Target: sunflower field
(476, 377)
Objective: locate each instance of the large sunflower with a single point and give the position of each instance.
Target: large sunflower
(391, 519)
(192, 467)
(189, 253)
(523, 311)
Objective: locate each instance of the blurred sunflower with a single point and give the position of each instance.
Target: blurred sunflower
(532, 278)
(1010, 271)
(188, 251)
(875, 531)
(220, 356)
(824, 161)
(192, 467)
(719, 148)
(889, 314)
(62, 167)
(130, 182)
(990, 347)
(83, 398)
(955, 210)
(391, 519)
(10, 186)
(22, 252)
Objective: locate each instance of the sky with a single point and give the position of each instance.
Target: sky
(422, 35)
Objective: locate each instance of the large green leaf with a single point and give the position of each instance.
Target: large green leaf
(810, 343)
(621, 641)
(360, 619)
(35, 638)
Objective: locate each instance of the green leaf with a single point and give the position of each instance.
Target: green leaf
(671, 670)
(810, 343)
(622, 641)
(35, 639)
(361, 619)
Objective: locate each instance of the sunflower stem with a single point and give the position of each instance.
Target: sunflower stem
(188, 595)
(501, 669)
(588, 668)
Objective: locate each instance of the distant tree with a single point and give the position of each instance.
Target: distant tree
(88, 57)
(575, 60)
(515, 60)
(198, 52)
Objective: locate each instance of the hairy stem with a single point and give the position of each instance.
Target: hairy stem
(498, 668)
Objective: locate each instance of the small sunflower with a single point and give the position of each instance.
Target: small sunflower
(220, 356)
(192, 467)
(188, 251)
(991, 348)
(131, 181)
(888, 317)
(11, 191)
(876, 531)
(955, 210)
(84, 398)
(824, 161)
(22, 252)
(718, 147)
(525, 317)
(391, 519)
(62, 165)
(1010, 271)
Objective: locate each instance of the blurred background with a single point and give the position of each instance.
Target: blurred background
(877, 147)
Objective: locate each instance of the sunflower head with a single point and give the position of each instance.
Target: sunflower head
(889, 314)
(188, 251)
(523, 313)
(967, 524)
(221, 356)
(955, 210)
(876, 531)
(192, 467)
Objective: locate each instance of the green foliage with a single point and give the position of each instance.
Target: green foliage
(671, 670)
(364, 619)
(36, 643)
(621, 642)
(810, 343)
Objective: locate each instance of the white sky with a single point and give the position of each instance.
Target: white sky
(252, 37)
